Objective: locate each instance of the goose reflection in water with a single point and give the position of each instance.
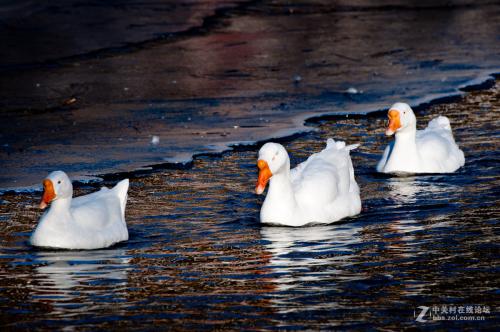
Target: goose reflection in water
(73, 278)
(418, 203)
(405, 190)
(309, 260)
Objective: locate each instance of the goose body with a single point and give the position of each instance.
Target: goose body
(91, 221)
(432, 150)
(322, 189)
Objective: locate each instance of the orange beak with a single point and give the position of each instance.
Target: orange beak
(48, 193)
(394, 122)
(264, 176)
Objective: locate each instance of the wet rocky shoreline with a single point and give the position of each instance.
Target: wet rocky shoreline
(232, 72)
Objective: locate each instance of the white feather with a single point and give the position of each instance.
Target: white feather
(432, 150)
(91, 221)
(322, 189)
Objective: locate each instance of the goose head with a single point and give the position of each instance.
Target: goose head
(55, 186)
(401, 117)
(272, 160)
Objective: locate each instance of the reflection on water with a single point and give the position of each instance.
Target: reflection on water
(404, 189)
(304, 259)
(68, 275)
(407, 190)
(296, 250)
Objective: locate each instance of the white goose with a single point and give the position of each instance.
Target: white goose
(432, 150)
(320, 190)
(92, 221)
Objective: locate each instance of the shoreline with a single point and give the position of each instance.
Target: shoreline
(308, 122)
(265, 72)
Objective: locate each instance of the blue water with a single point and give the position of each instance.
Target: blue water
(198, 258)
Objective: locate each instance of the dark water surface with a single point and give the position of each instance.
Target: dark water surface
(85, 85)
(197, 257)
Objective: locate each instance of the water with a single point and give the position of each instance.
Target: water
(197, 257)
(85, 86)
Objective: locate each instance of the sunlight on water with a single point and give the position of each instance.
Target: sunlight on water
(197, 257)
(71, 281)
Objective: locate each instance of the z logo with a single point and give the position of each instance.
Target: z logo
(420, 318)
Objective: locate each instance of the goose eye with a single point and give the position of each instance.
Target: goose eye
(59, 182)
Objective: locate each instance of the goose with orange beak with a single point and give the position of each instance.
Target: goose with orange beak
(321, 190)
(432, 150)
(91, 221)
